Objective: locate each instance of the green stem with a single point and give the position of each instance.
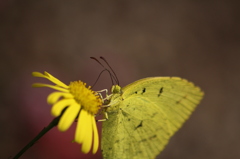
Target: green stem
(44, 131)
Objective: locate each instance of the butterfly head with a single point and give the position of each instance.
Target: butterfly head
(116, 89)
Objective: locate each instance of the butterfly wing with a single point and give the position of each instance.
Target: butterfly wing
(146, 115)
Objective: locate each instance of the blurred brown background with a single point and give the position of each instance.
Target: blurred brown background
(196, 40)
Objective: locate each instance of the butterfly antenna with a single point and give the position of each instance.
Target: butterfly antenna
(112, 77)
(97, 61)
(116, 79)
(99, 77)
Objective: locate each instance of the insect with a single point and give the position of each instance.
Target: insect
(143, 115)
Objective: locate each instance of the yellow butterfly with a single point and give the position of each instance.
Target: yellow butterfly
(144, 115)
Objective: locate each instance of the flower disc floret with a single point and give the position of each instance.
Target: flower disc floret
(88, 99)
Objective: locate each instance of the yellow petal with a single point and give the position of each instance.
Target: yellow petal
(55, 80)
(50, 86)
(59, 106)
(87, 141)
(95, 136)
(68, 117)
(81, 126)
(38, 74)
(50, 78)
(54, 97)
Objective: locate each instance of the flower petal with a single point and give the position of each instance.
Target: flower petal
(87, 141)
(50, 86)
(55, 80)
(59, 106)
(95, 136)
(68, 117)
(38, 74)
(54, 97)
(81, 124)
(50, 78)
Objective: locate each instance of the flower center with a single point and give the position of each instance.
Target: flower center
(87, 98)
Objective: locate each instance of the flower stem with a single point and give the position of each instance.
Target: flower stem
(44, 131)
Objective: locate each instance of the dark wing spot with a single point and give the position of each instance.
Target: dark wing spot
(154, 114)
(139, 125)
(139, 152)
(129, 119)
(152, 137)
(160, 91)
(143, 140)
(179, 101)
(144, 90)
(136, 92)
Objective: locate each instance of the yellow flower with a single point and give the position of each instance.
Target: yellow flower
(79, 102)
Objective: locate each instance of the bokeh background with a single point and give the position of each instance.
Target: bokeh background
(196, 40)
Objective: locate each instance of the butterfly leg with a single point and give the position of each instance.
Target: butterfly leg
(107, 96)
(105, 104)
(105, 116)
